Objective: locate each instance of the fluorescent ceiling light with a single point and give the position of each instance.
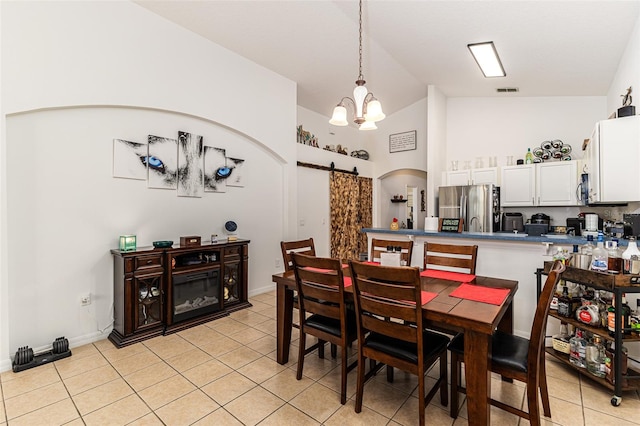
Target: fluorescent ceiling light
(487, 59)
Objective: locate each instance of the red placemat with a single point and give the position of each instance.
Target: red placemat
(371, 263)
(447, 275)
(427, 296)
(494, 296)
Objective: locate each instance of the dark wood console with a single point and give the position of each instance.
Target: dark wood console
(164, 290)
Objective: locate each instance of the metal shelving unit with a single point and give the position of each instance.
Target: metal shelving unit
(617, 284)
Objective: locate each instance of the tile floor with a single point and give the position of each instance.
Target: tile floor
(224, 373)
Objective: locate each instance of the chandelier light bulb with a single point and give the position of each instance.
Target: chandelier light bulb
(368, 125)
(374, 111)
(339, 117)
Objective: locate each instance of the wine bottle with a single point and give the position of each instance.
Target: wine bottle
(528, 158)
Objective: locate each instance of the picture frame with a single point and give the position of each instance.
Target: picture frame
(405, 141)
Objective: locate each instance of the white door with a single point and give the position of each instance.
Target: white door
(557, 183)
(484, 176)
(458, 177)
(619, 159)
(517, 186)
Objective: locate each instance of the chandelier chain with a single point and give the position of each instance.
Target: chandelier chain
(360, 45)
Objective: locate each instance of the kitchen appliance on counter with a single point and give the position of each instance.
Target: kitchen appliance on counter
(512, 221)
(592, 224)
(538, 224)
(478, 205)
(577, 224)
(536, 229)
(617, 229)
(633, 220)
(540, 218)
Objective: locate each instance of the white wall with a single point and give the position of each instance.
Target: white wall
(628, 74)
(483, 127)
(75, 75)
(408, 119)
(436, 145)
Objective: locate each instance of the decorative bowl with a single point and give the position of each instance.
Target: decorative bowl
(162, 244)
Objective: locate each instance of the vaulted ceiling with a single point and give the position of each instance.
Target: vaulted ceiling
(548, 48)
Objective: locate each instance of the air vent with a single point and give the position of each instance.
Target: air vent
(507, 90)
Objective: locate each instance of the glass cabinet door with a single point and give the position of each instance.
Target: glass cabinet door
(230, 280)
(149, 301)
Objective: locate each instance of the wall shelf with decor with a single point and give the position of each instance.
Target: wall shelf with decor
(393, 200)
(158, 291)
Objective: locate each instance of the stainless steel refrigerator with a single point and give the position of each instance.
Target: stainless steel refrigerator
(478, 205)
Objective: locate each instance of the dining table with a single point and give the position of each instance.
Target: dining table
(478, 320)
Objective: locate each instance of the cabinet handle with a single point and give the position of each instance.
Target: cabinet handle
(149, 262)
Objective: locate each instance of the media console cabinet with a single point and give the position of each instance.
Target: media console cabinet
(160, 291)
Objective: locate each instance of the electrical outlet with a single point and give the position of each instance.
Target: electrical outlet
(85, 299)
(607, 214)
(278, 262)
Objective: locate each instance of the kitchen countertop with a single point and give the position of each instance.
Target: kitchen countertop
(563, 239)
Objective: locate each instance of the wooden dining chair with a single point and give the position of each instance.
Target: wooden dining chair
(516, 358)
(380, 246)
(388, 304)
(300, 246)
(323, 312)
(456, 258)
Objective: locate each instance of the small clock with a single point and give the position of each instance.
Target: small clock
(230, 227)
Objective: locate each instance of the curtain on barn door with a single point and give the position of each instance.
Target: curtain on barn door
(350, 205)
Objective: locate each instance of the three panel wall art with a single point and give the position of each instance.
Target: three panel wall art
(184, 164)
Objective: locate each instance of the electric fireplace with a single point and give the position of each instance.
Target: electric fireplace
(196, 294)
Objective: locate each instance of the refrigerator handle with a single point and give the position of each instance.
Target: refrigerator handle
(463, 207)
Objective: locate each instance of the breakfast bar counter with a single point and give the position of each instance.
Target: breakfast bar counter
(563, 239)
(503, 255)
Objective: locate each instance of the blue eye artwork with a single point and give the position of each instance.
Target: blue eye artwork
(153, 163)
(223, 172)
(216, 171)
(162, 162)
(190, 165)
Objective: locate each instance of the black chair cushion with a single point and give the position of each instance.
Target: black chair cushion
(332, 325)
(507, 350)
(433, 344)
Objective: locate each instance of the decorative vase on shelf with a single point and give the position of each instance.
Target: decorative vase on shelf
(394, 224)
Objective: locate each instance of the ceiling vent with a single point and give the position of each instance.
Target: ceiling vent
(507, 90)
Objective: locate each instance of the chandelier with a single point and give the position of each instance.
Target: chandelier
(366, 109)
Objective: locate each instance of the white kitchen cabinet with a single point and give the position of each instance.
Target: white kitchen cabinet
(611, 160)
(484, 176)
(518, 186)
(472, 176)
(457, 177)
(553, 183)
(557, 183)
